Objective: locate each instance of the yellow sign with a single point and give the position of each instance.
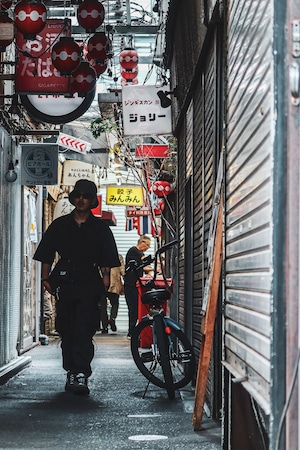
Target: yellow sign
(124, 195)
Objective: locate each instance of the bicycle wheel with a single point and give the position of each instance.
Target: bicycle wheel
(163, 355)
(148, 361)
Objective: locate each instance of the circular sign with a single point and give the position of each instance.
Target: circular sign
(38, 163)
(57, 109)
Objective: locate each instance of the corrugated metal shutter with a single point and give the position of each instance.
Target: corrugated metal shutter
(10, 260)
(194, 215)
(248, 194)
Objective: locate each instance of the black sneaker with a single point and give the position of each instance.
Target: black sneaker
(81, 384)
(113, 325)
(70, 382)
(104, 331)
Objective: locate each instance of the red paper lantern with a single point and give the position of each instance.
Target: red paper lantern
(90, 15)
(99, 67)
(30, 18)
(158, 209)
(83, 79)
(161, 188)
(7, 29)
(66, 55)
(97, 47)
(129, 75)
(128, 82)
(129, 58)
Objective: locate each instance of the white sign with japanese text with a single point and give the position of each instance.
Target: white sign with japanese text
(142, 111)
(76, 170)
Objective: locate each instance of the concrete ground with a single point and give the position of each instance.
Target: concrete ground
(36, 412)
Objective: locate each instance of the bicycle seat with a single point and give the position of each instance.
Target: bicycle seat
(155, 295)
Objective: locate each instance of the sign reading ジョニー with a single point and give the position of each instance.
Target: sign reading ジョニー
(143, 113)
(124, 195)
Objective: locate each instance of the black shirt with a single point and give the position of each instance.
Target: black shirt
(90, 244)
(131, 277)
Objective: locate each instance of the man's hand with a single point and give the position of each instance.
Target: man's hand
(47, 286)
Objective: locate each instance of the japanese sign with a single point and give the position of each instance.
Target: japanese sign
(75, 144)
(62, 207)
(39, 164)
(75, 170)
(142, 112)
(124, 195)
(34, 71)
(132, 211)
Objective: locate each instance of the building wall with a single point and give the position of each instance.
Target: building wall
(198, 119)
(10, 256)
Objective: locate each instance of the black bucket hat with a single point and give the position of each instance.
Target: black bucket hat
(85, 187)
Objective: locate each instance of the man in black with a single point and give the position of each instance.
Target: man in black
(135, 253)
(87, 245)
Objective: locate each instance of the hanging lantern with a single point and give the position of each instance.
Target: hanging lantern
(161, 188)
(129, 75)
(7, 31)
(125, 82)
(97, 47)
(30, 18)
(83, 79)
(90, 15)
(159, 207)
(5, 5)
(99, 67)
(66, 55)
(129, 58)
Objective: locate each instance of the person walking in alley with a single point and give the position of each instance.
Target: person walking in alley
(87, 251)
(113, 293)
(135, 253)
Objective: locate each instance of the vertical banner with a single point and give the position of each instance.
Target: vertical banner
(143, 113)
(36, 74)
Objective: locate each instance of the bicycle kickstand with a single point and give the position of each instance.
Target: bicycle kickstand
(144, 394)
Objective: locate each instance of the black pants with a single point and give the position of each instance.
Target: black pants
(131, 297)
(77, 320)
(114, 301)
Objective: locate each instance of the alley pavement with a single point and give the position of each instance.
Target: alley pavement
(37, 413)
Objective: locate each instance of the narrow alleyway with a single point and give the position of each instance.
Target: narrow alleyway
(36, 412)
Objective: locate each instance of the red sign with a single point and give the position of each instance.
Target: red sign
(152, 151)
(133, 211)
(78, 145)
(35, 72)
(98, 210)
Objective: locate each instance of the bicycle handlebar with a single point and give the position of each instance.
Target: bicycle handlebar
(133, 266)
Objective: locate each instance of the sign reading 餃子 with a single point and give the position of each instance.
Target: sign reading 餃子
(124, 195)
(35, 72)
(39, 164)
(143, 113)
(73, 143)
(76, 170)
